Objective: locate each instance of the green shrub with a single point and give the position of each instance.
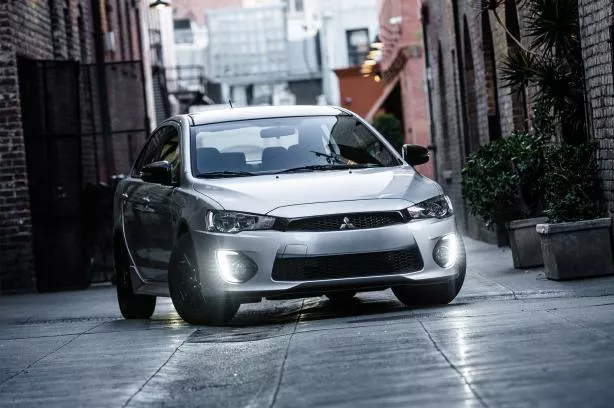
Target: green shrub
(502, 180)
(572, 190)
(390, 127)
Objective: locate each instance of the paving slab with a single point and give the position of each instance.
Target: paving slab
(511, 338)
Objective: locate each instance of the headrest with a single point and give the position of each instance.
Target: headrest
(208, 159)
(310, 136)
(234, 160)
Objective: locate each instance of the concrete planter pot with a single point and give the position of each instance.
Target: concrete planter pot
(525, 243)
(579, 249)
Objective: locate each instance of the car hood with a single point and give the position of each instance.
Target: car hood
(266, 193)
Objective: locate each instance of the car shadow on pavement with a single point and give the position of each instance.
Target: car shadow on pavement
(262, 322)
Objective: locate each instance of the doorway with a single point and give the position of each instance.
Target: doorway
(50, 108)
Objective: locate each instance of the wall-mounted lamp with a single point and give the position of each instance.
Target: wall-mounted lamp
(395, 20)
(377, 44)
(160, 4)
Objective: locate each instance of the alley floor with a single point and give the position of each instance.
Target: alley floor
(511, 338)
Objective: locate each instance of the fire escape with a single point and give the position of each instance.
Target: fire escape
(190, 86)
(162, 102)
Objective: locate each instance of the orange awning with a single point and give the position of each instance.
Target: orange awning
(382, 98)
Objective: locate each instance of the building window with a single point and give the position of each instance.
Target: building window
(68, 29)
(298, 6)
(358, 45)
(183, 32)
(82, 35)
(612, 47)
(130, 31)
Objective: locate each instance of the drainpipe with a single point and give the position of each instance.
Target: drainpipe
(101, 76)
(432, 145)
(461, 79)
(143, 40)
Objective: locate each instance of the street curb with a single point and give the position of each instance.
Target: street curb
(528, 295)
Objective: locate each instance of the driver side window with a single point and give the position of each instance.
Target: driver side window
(163, 145)
(170, 151)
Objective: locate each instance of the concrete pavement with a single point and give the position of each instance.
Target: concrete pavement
(511, 338)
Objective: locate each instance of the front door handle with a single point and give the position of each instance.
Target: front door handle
(143, 205)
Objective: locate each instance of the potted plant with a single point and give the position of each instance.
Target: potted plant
(575, 242)
(502, 183)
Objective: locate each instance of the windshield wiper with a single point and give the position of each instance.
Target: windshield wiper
(324, 167)
(221, 174)
(330, 158)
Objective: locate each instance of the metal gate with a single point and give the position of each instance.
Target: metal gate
(72, 162)
(108, 151)
(52, 134)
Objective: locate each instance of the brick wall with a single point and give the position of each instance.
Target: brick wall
(43, 29)
(596, 18)
(16, 271)
(466, 122)
(444, 86)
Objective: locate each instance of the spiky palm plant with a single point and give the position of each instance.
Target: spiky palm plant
(552, 62)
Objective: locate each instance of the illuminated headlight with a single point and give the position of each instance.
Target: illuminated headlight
(232, 222)
(438, 207)
(235, 267)
(446, 251)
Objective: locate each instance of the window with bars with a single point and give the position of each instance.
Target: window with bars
(612, 48)
(358, 45)
(82, 35)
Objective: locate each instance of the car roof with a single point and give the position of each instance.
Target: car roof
(258, 112)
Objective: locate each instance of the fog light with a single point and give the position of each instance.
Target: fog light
(235, 267)
(445, 252)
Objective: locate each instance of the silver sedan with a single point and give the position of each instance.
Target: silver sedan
(232, 206)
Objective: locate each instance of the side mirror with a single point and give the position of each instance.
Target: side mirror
(415, 154)
(159, 172)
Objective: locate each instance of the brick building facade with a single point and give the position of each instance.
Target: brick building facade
(597, 30)
(402, 71)
(470, 106)
(45, 46)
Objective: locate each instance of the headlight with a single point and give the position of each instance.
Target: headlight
(232, 222)
(438, 207)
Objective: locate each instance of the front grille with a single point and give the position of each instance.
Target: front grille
(335, 222)
(348, 266)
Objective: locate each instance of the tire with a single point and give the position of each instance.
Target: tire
(435, 294)
(186, 289)
(131, 305)
(341, 298)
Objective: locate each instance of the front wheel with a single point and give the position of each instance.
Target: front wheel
(435, 294)
(186, 289)
(131, 305)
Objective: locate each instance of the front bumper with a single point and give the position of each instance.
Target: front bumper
(264, 247)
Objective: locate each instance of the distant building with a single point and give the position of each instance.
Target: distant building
(248, 45)
(346, 29)
(277, 61)
(402, 72)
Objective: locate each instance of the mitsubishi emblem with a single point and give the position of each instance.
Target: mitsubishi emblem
(347, 224)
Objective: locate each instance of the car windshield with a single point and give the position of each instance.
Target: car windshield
(273, 145)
